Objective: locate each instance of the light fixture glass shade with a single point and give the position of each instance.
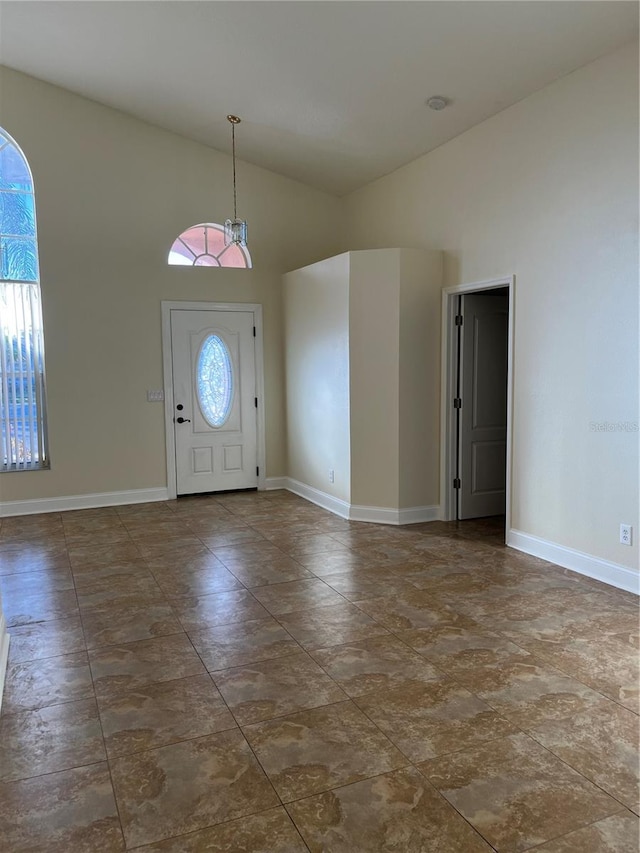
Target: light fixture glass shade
(235, 232)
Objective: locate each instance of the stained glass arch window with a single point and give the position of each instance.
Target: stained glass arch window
(23, 438)
(203, 246)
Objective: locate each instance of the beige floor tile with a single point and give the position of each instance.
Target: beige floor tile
(223, 608)
(121, 591)
(261, 691)
(248, 553)
(269, 832)
(104, 536)
(460, 646)
(44, 740)
(516, 794)
(276, 570)
(398, 811)
(324, 626)
(528, 691)
(88, 575)
(616, 834)
(113, 624)
(41, 583)
(376, 665)
(298, 545)
(609, 664)
(46, 639)
(361, 584)
(164, 528)
(24, 539)
(400, 612)
(34, 558)
(223, 524)
(242, 643)
(188, 786)
(121, 669)
(312, 751)
(103, 555)
(563, 614)
(27, 608)
(183, 583)
(48, 681)
(167, 546)
(162, 713)
(601, 743)
(223, 538)
(73, 810)
(192, 559)
(426, 720)
(334, 562)
(296, 595)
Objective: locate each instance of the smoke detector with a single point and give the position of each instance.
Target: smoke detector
(437, 102)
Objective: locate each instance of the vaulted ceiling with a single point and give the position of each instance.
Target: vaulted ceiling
(330, 93)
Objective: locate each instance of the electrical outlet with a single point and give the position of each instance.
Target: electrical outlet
(155, 396)
(332, 476)
(625, 534)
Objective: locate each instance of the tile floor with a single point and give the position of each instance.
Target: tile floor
(250, 673)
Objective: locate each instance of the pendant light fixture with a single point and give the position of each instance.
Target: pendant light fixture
(235, 230)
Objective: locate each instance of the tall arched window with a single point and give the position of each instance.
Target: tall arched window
(23, 441)
(204, 246)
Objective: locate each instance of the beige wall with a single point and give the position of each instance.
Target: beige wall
(360, 338)
(374, 311)
(547, 190)
(112, 194)
(419, 392)
(317, 375)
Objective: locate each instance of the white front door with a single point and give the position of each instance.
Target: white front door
(482, 426)
(213, 362)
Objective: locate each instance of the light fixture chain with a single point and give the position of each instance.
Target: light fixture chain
(235, 230)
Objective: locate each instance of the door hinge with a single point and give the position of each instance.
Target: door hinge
(456, 483)
(257, 472)
(459, 319)
(255, 400)
(457, 403)
(254, 331)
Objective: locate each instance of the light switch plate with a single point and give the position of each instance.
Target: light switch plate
(155, 396)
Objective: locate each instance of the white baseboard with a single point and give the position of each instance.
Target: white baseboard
(584, 564)
(322, 499)
(354, 512)
(419, 514)
(4, 652)
(67, 502)
(391, 515)
(272, 483)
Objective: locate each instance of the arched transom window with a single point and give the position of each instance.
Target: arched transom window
(203, 246)
(23, 439)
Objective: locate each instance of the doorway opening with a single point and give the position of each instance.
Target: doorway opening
(476, 404)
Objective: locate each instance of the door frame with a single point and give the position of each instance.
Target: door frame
(448, 447)
(167, 365)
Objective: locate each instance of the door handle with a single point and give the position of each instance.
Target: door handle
(184, 420)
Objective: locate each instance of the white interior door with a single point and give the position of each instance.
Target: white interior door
(482, 415)
(213, 363)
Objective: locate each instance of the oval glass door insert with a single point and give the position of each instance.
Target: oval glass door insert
(214, 381)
